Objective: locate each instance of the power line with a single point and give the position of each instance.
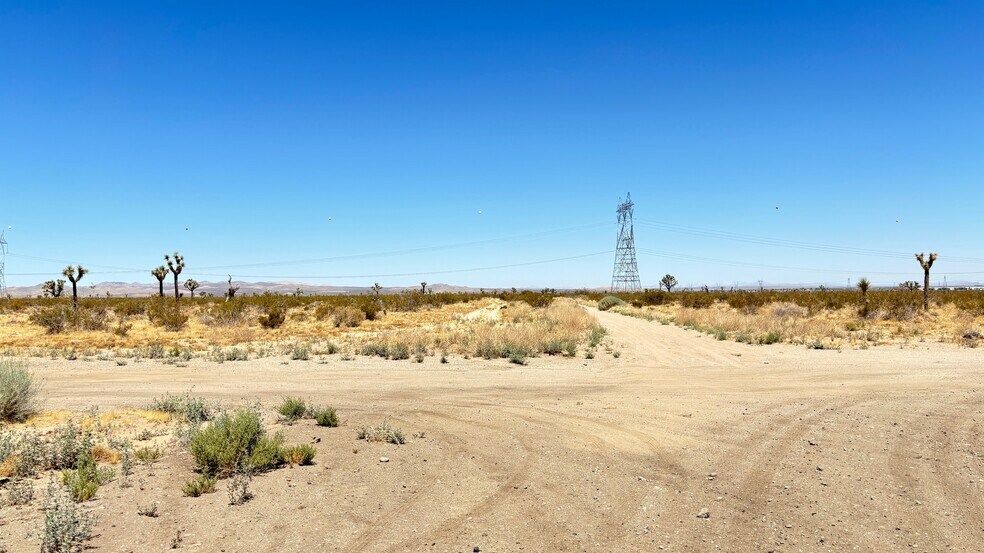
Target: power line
(424, 273)
(795, 244)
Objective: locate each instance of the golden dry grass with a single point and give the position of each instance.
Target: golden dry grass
(19, 335)
(834, 327)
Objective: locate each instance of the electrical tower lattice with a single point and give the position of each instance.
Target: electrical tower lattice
(625, 276)
(3, 254)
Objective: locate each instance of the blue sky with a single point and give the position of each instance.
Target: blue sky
(514, 127)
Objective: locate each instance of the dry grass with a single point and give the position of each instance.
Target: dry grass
(202, 333)
(495, 330)
(791, 323)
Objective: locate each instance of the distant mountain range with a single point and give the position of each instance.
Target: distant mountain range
(138, 289)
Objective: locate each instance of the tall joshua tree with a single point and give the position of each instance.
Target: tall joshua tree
(74, 275)
(175, 265)
(926, 266)
(863, 285)
(668, 282)
(192, 284)
(423, 287)
(160, 274)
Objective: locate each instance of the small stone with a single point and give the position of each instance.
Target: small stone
(384, 459)
(704, 513)
(477, 549)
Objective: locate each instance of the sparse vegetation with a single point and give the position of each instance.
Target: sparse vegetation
(382, 433)
(188, 407)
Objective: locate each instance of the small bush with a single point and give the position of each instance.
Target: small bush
(292, 408)
(66, 525)
(18, 392)
(382, 433)
(238, 487)
(298, 455)
(274, 318)
(232, 441)
(199, 486)
(300, 353)
(348, 316)
(228, 313)
(62, 318)
(20, 492)
(84, 480)
(597, 333)
(192, 409)
(148, 510)
(326, 417)
(166, 313)
(369, 308)
(772, 337)
(608, 302)
(147, 455)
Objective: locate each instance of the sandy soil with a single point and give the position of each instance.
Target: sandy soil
(789, 449)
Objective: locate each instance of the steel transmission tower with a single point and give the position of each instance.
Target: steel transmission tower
(625, 276)
(3, 254)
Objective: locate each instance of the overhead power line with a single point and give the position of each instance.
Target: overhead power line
(780, 242)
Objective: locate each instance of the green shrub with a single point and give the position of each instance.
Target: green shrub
(63, 318)
(326, 417)
(234, 440)
(298, 454)
(772, 337)
(84, 480)
(369, 308)
(292, 408)
(228, 313)
(18, 391)
(192, 409)
(129, 308)
(199, 486)
(147, 455)
(166, 313)
(608, 302)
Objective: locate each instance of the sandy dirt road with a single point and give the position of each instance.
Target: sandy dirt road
(788, 449)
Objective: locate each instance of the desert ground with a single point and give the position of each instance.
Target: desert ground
(782, 448)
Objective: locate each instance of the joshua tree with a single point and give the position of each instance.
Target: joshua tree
(74, 275)
(910, 285)
(160, 274)
(668, 282)
(926, 266)
(175, 265)
(423, 287)
(192, 284)
(863, 285)
(376, 288)
(232, 290)
(53, 288)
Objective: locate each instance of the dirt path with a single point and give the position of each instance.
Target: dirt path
(789, 449)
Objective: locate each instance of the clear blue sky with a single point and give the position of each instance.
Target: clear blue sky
(417, 124)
